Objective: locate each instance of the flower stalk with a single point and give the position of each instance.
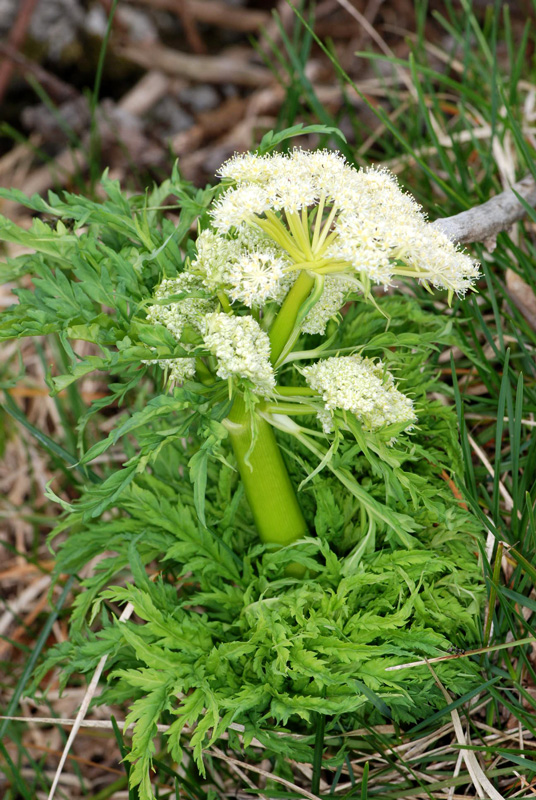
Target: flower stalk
(267, 484)
(285, 321)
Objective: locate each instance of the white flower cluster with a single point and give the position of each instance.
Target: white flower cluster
(361, 386)
(242, 349)
(373, 226)
(175, 315)
(240, 346)
(187, 311)
(278, 182)
(386, 234)
(250, 267)
(178, 369)
(336, 288)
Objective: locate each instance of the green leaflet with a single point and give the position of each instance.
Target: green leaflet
(145, 713)
(213, 434)
(271, 140)
(57, 244)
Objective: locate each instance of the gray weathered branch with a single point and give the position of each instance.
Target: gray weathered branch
(483, 223)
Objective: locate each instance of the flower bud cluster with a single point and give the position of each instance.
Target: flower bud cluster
(278, 182)
(336, 289)
(178, 369)
(174, 315)
(241, 348)
(361, 386)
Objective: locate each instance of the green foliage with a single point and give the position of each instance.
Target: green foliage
(271, 140)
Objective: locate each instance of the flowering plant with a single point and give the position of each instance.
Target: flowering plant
(316, 543)
(292, 237)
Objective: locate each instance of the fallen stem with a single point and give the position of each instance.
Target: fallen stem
(484, 222)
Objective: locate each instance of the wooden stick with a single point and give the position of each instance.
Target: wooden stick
(484, 222)
(16, 38)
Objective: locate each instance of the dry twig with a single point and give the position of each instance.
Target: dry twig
(483, 223)
(16, 38)
(210, 69)
(216, 12)
(55, 86)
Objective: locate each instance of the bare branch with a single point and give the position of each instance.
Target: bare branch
(483, 223)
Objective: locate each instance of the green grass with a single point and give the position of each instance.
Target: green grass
(492, 385)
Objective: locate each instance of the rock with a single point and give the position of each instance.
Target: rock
(57, 23)
(170, 115)
(200, 98)
(74, 114)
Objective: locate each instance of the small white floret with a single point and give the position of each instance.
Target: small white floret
(240, 205)
(178, 369)
(256, 278)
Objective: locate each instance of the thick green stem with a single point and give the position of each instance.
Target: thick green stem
(268, 487)
(267, 484)
(286, 319)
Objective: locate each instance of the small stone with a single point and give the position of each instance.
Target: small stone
(200, 98)
(171, 116)
(57, 23)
